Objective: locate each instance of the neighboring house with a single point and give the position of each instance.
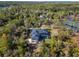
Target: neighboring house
(71, 25)
(71, 17)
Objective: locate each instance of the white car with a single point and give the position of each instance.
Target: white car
(32, 41)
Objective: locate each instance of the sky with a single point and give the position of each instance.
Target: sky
(41, 0)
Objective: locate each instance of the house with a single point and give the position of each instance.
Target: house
(72, 25)
(71, 17)
(39, 35)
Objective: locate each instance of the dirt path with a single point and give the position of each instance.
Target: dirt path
(75, 39)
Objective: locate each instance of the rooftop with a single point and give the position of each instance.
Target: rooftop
(39, 34)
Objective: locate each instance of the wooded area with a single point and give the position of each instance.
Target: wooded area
(17, 17)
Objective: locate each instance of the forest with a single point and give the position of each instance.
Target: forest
(16, 18)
